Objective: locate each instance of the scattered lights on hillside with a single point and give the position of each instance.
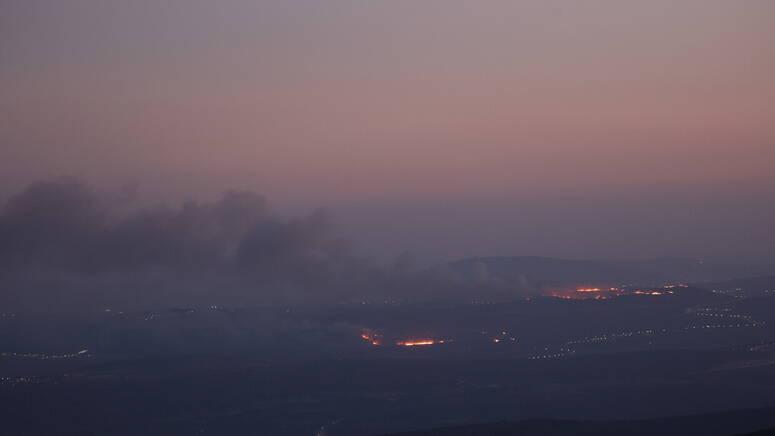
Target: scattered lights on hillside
(604, 293)
(652, 292)
(586, 293)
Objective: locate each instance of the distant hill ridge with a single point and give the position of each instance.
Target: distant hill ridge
(533, 273)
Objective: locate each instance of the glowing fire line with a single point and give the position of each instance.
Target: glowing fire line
(417, 343)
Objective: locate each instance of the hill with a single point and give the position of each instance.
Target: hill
(528, 273)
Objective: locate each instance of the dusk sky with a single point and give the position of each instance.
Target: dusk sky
(588, 129)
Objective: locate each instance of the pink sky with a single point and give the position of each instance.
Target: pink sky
(330, 103)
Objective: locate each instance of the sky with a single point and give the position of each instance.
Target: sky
(444, 128)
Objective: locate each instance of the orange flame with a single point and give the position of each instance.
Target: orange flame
(418, 342)
(373, 339)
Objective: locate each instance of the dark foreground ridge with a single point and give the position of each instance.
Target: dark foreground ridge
(758, 421)
(765, 432)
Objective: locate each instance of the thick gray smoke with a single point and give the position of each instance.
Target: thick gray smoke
(62, 245)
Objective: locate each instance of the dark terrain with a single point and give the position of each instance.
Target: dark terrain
(626, 364)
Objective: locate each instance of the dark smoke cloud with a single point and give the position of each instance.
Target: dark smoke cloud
(63, 244)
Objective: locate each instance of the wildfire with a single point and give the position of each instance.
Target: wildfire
(372, 338)
(597, 293)
(609, 292)
(588, 290)
(376, 339)
(418, 342)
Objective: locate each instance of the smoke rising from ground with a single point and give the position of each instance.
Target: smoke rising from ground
(62, 243)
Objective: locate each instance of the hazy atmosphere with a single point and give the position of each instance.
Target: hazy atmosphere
(532, 128)
(387, 218)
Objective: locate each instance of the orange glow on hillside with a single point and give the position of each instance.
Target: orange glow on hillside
(586, 293)
(418, 342)
(372, 338)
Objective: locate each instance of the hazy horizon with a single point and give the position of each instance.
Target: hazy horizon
(598, 130)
